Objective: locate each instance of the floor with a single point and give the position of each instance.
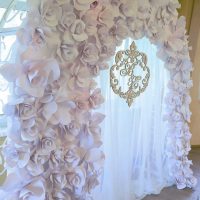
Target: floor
(171, 193)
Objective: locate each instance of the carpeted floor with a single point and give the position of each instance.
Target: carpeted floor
(171, 193)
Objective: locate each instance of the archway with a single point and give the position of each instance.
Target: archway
(63, 45)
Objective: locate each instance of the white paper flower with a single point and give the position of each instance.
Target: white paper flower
(58, 180)
(56, 158)
(76, 179)
(106, 16)
(36, 164)
(67, 53)
(34, 190)
(129, 8)
(61, 195)
(82, 4)
(62, 115)
(50, 13)
(62, 2)
(90, 53)
(73, 156)
(16, 155)
(67, 19)
(78, 31)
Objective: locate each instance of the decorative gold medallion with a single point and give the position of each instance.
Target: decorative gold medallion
(129, 76)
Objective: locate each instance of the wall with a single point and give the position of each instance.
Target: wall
(194, 39)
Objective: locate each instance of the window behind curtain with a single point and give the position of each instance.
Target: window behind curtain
(12, 13)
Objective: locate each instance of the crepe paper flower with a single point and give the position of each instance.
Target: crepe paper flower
(105, 37)
(95, 159)
(192, 181)
(34, 190)
(27, 109)
(49, 109)
(129, 8)
(167, 13)
(90, 136)
(122, 30)
(78, 31)
(35, 168)
(81, 100)
(94, 120)
(106, 16)
(47, 144)
(78, 77)
(73, 157)
(62, 114)
(50, 13)
(62, 2)
(157, 3)
(61, 195)
(42, 45)
(91, 182)
(56, 158)
(72, 129)
(35, 165)
(67, 19)
(136, 26)
(76, 179)
(16, 155)
(30, 134)
(96, 98)
(37, 74)
(67, 53)
(83, 5)
(58, 181)
(90, 19)
(107, 51)
(90, 53)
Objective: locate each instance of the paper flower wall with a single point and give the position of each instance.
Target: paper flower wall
(54, 138)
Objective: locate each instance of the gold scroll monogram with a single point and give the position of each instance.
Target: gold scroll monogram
(129, 76)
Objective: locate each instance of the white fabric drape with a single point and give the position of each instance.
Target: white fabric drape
(134, 138)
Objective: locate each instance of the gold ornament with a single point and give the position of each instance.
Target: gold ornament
(130, 68)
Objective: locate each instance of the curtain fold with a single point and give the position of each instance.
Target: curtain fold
(134, 138)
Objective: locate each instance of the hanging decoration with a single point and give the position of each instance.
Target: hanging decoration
(53, 146)
(131, 67)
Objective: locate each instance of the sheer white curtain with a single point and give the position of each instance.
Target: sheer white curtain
(134, 138)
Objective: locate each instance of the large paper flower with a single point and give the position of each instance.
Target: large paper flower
(32, 75)
(82, 4)
(56, 158)
(50, 13)
(76, 179)
(16, 155)
(73, 156)
(67, 53)
(78, 31)
(58, 180)
(67, 19)
(62, 2)
(129, 8)
(35, 165)
(27, 109)
(90, 53)
(106, 16)
(78, 77)
(34, 190)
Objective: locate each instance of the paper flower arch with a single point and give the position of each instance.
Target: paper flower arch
(53, 143)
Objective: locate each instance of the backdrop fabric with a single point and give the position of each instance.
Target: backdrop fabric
(134, 138)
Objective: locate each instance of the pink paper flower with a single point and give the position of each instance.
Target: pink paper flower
(78, 31)
(90, 53)
(50, 13)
